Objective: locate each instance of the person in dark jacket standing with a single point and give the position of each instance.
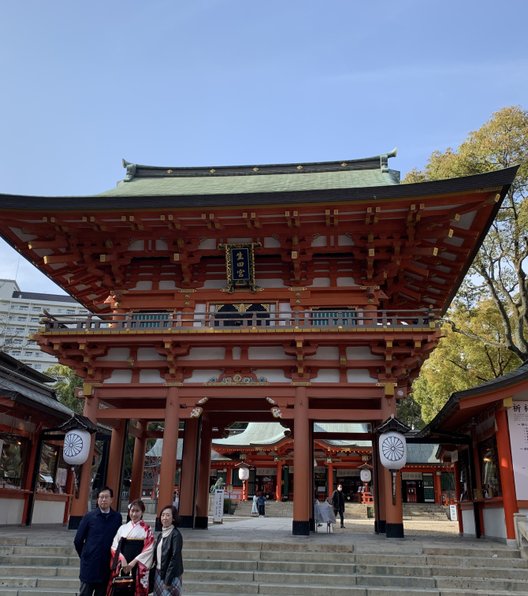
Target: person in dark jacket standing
(338, 503)
(93, 541)
(168, 560)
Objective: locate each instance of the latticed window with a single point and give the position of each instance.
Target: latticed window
(149, 320)
(326, 318)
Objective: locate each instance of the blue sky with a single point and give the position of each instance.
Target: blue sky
(220, 82)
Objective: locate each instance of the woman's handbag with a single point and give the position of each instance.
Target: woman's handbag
(123, 585)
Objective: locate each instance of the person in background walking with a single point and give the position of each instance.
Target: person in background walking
(261, 504)
(93, 540)
(168, 561)
(338, 503)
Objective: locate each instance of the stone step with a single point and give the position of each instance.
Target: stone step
(483, 584)
(43, 571)
(291, 567)
(476, 562)
(39, 560)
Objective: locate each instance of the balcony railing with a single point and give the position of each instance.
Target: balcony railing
(309, 319)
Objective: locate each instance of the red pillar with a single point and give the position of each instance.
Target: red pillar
(188, 473)
(509, 497)
(330, 479)
(437, 478)
(393, 509)
(302, 499)
(202, 501)
(278, 484)
(115, 461)
(169, 449)
(80, 500)
(138, 463)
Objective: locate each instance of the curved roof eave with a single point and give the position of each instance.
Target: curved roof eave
(500, 179)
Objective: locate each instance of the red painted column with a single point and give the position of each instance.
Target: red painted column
(378, 490)
(509, 497)
(437, 479)
(34, 442)
(302, 462)
(457, 498)
(202, 499)
(188, 472)
(278, 484)
(329, 479)
(138, 463)
(394, 510)
(80, 500)
(115, 461)
(169, 449)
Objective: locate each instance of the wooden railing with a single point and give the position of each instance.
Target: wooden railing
(328, 319)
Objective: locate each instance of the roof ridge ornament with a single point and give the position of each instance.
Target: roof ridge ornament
(130, 170)
(384, 159)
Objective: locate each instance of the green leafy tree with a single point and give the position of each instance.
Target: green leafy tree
(487, 326)
(463, 360)
(66, 386)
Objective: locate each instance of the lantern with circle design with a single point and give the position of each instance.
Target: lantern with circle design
(76, 447)
(393, 455)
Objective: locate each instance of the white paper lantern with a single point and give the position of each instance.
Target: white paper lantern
(365, 475)
(392, 450)
(243, 473)
(76, 447)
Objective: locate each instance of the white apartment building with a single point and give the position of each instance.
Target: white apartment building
(20, 314)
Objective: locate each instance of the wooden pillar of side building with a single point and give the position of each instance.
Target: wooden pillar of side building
(509, 497)
(189, 473)
(302, 461)
(169, 451)
(437, 479)
(138, 462)
(81, 496)
(202, 497)
(115, 461)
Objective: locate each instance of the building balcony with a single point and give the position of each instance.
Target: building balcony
(322, 320)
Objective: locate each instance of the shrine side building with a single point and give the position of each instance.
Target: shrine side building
(303, 294)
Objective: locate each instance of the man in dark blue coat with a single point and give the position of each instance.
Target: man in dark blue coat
(93, 541)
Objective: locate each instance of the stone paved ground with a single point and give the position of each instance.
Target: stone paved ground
(360, 533)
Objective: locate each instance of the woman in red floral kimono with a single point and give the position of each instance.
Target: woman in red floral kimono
(132, 549)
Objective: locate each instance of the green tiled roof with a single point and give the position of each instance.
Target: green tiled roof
(161, 181)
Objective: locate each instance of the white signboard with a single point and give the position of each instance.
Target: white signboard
(518, 423)
(218, 506)
(453, 513)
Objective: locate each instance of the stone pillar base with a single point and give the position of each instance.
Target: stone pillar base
(74, 521)
(186, 521)
(394, 530)
(201, 522)
(301, 528)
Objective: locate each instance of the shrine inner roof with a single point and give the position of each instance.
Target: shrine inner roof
(167, 181)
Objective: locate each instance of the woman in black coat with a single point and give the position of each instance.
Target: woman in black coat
(168, 562)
